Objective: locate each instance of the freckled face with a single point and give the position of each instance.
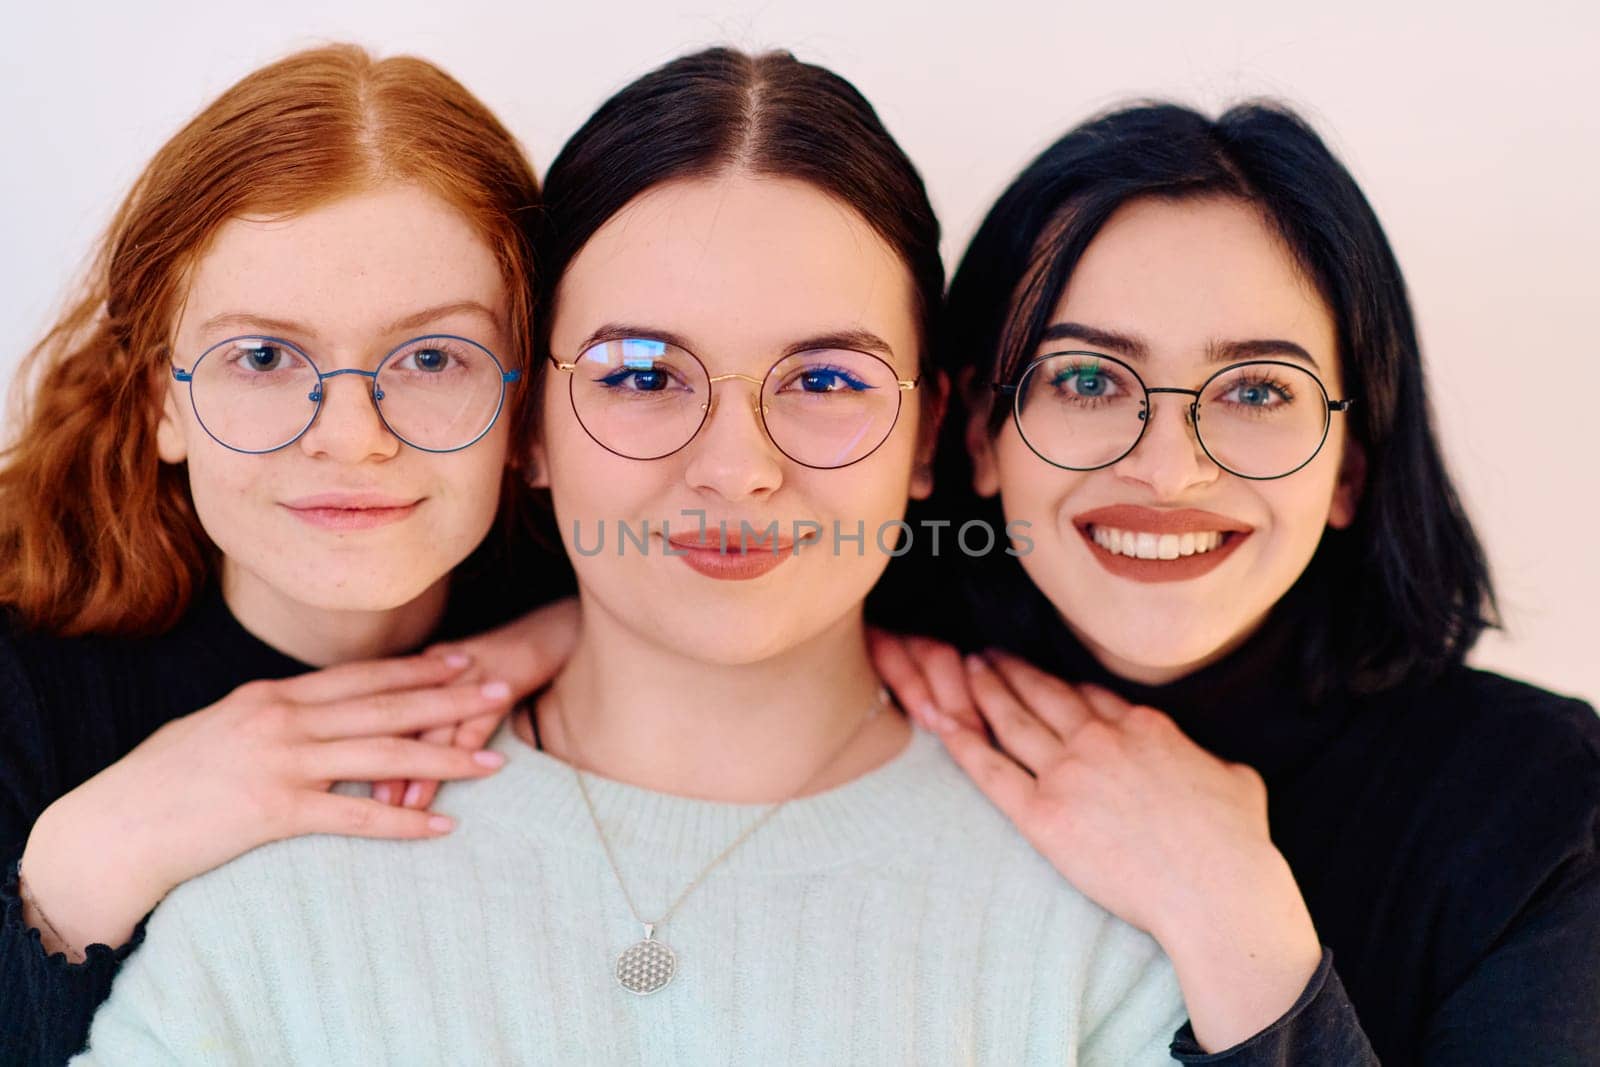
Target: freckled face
(1163, 561)
(347, 517)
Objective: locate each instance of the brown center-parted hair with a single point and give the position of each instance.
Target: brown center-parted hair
(96, 533)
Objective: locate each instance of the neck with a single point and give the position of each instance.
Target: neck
(1158, 674)
(747, 733)
(322, 636)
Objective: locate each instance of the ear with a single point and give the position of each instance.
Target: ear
(1347, 491)
(934, 410)
(172, 444)
(985, 472)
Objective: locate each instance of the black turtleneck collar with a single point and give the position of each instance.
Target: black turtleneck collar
(1252, 706)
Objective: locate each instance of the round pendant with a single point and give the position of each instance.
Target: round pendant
(647, 966)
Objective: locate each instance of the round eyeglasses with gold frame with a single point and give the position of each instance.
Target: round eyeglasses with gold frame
(644, 398)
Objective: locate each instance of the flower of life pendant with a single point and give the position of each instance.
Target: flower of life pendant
(646, 966)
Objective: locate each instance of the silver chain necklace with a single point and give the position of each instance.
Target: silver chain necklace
(648, 966)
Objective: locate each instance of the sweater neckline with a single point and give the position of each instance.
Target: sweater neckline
(655, 834)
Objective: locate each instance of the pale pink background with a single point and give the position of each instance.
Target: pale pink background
(1475, 131)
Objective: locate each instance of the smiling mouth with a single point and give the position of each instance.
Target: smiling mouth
(1143, 544)
(1158, 544)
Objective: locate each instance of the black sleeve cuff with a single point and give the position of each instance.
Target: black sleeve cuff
(48, 1001)
(1320, 1028)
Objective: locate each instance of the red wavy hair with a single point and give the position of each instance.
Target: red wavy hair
(98, 535)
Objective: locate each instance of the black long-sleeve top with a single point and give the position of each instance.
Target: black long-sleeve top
(1444, 833)
(70, 707)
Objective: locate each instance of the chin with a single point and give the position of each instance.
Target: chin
(1156, 651)
(357, 595)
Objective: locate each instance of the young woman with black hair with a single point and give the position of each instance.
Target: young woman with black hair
(715, 839)
(1185, 358)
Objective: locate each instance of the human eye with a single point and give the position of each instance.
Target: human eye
(636, 379)
(825, 378)
(1085, 381)
(1257, 391)
(261, 357)
(431, 359)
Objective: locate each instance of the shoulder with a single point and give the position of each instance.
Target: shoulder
(1502, 779)
(1473, 726)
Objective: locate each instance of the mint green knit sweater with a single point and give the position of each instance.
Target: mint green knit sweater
(898, 919)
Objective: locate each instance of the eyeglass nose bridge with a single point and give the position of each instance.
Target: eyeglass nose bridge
(1193, 410)
(759, 406)
(315, 396)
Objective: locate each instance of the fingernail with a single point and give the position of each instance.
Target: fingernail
(457, 659)
(488, 757)
(382, 794)
(926, 712)
(441, 823)
(942, 723)
(413, 794)
(495, 690)
(975, 663)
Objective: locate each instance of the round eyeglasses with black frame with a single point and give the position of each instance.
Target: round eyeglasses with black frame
(436, 393)
(642, 398)
(1259, 419)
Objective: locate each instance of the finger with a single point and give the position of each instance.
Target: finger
(1053, 700)
(373, 759)
(471, 735)
(526, 652)
(389, 791)
(419, 792)
(901, 674)
(370, 676)
(941, 666)
(1104, 703)
(996, 775)
(336, 813)
(407, 712)
(1017, 729)
(474, 733)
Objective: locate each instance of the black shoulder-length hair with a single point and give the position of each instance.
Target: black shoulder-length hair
(1404, 591)
(718, 109)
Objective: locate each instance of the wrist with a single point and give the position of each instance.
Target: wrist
(1244, 952)
(79, 890)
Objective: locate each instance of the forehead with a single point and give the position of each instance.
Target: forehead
(1182, 274)
(738, 265)
(347, 267)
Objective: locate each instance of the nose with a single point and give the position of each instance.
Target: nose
(1168, 459)
(732, 455)
(348, 428)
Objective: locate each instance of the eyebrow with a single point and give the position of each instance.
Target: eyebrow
(266, 324)
(1132, 347)
(858, 340)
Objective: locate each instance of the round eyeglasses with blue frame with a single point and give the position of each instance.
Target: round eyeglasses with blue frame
(257, 394)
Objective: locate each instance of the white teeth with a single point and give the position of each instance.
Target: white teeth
(1146, 545)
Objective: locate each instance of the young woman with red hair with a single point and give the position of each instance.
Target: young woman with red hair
(195, 512)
